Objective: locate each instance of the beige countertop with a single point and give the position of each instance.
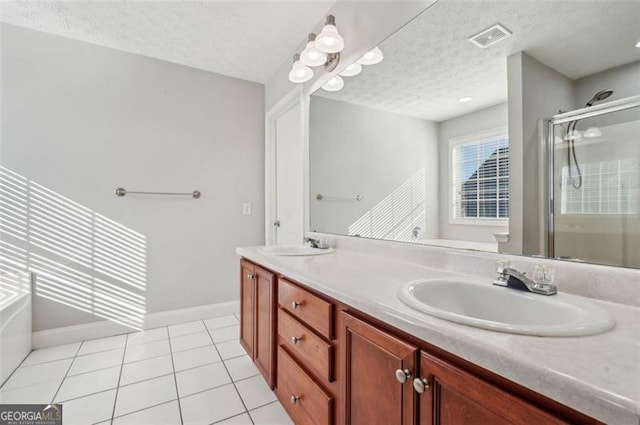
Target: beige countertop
(598, 375)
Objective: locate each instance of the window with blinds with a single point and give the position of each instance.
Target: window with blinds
(608, 187)
(480, 177)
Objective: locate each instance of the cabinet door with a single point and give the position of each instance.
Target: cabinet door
(371, 359)
(265, 322)
(247, 306)
(454, 397)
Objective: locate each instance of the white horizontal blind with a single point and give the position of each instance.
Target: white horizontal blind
(480, 179)
(608, 187)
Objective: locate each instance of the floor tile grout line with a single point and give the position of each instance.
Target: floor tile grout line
(144, 408)
(88, 395)
(175, 378)
(264, 405)
(115, 399)
(230, 377)
(22, 365)
(130, 383)
(65, 375)
(100, 352)
(126, 364)
(230, 417)
(200, 331)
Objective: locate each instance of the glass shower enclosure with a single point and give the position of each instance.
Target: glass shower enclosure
(594, 184)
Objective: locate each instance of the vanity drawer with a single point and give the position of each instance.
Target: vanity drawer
(301, 397)
(312, 350)
(313, 310)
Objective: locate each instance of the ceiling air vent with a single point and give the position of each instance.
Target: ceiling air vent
(490, 36)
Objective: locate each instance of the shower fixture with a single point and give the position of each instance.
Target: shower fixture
(573, 136)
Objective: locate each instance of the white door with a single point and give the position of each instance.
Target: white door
(289, 177)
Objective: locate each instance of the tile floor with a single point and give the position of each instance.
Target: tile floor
(191, 373)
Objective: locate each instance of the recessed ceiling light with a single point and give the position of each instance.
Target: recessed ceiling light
(465, 99)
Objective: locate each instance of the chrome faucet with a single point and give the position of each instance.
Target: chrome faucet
(512, 278)
(316, 243)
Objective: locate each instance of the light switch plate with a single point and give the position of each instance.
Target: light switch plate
(246, 208)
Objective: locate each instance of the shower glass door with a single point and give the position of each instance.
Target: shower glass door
(596, 184)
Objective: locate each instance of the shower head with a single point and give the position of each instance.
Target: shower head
(601, 95)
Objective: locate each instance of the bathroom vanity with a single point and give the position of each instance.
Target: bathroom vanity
(329, 335)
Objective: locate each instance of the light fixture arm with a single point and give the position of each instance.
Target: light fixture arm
(333, 59)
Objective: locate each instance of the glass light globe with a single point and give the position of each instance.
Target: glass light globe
(329, 39)
(592, 132)
(334, 84)
(300, 73)
(372, 57)
(573, 135)
(352, 70)
(311, 56)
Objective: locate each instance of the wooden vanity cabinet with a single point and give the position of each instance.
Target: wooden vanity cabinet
(388, 380)
(258, 317)
(375, 363)
(337, 366)
(448, 395)
(306, 383)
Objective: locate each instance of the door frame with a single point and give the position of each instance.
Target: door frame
(292, 99)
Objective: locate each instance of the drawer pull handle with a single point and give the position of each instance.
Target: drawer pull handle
(296, 304)
(296, 339)
(421, 385)
(403, 375)
(294, 399)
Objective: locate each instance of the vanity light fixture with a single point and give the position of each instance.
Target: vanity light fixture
(300, 73)
(334, 84)
(329, 40)
(311, 56)
(352, 70)
(372, 57)
(321, 50)
(638, 44)
(465, 99)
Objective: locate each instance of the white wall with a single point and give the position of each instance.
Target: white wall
(82, 120)
(534, 91)
(389, 159)
(623, 80)
(479, 121)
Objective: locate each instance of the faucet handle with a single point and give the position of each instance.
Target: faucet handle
(502, 265)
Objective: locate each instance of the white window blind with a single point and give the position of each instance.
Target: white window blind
(480, 178)
(608, 187)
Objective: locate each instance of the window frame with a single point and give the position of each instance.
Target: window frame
(477, 137)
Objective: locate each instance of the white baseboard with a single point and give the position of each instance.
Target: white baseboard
(77, 333)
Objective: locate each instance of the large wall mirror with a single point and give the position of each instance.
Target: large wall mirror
(504, 126)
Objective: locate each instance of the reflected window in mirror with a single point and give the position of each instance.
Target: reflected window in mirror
(479, 165)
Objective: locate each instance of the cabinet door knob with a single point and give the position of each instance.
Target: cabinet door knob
(421, 385)
(294, 399)
(251, 276)
(403, 375)
(295, 304)
(296, 339)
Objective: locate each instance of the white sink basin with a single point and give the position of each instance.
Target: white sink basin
(293, 250)
(506, 310)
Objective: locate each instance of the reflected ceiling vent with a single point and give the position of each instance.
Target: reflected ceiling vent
(490, 36)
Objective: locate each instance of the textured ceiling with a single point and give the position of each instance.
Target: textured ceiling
(243, 39)
(429, 64)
